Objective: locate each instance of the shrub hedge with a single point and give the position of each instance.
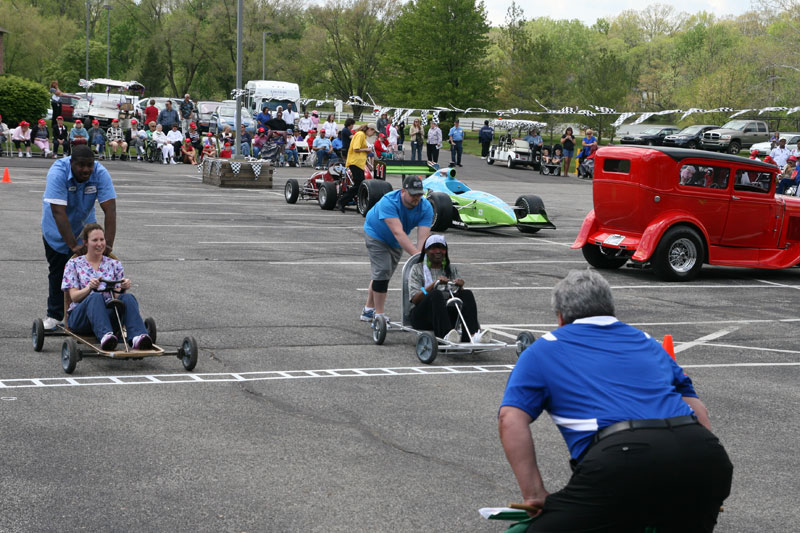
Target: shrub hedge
(22, 99)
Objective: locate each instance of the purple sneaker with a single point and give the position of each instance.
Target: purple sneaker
(142, 342)
(109, 342)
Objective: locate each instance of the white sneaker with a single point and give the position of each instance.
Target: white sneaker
(482, 337)
(19, 154)
(453, 336)
(28, 155)
(172, 161)
(50, 323)
(165, 162)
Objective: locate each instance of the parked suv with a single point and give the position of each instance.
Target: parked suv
(735, 135)
(689, 137)
(675, 209)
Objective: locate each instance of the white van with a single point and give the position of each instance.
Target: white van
(274, 93)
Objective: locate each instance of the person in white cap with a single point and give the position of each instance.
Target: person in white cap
(427, 287)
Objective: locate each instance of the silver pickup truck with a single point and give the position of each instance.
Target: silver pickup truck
(735, 135)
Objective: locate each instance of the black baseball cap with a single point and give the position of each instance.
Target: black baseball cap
(413, 184)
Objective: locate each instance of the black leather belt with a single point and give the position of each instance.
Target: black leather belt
(649, 423)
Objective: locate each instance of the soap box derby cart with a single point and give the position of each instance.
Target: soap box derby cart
(675, 209)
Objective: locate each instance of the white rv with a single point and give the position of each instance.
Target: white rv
(274, 93)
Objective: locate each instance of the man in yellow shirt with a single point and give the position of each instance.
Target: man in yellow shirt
(356, 161)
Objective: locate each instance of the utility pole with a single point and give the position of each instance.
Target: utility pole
(108, 8)
(87, 46)
(263, 55)
(239, 17)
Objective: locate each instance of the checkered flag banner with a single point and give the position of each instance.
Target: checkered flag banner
(586, 112)
(256, 169)
(236, 93)
(217, 167)
(565, 111)
(435, 118)
(690, 111)
(424, 118)
(200, 167)
(793, 110)
(396, 116)
(722, 110)
(604, 110)
(236, 167)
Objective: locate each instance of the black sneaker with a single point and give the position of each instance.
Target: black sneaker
(113, 157)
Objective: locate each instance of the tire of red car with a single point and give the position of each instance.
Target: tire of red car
(679, 255)
(601, 260)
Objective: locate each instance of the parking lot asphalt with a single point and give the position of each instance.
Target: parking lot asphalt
(370, 439)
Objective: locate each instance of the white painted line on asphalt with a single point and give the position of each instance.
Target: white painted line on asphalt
(620, 287)
(553, 325)
(756, 348)
(168, 379)
(327, 263)
(710, 337)
(319, 243)
(555, 242)
(779, 284)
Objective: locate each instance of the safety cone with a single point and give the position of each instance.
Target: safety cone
(6, 177)
(667, 345)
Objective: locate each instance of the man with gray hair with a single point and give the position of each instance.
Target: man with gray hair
(639, 438)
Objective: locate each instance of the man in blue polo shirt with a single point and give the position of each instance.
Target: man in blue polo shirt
(456, 137)
(73, 186)
(386, 230)
(639, 437)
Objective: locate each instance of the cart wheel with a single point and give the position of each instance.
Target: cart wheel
(379, 329)
(37, 335)
(188, 353)
(524, 339)
(427, 347)
(69, 355)
(150, 326)
(291, 191)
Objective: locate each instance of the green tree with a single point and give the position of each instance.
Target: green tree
(438, 55)
(69, 65)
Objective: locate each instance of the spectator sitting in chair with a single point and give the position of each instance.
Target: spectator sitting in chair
(78, 134)
(226, 152)
(97, 139)
(245, 140)
(264, 117)
(188, 152)
(21, 136)
(259, 141)
(277, 124)
(382, 147)
(116, 139)
(209, 150)
(137, 138)
(226, 135)
(60, 137)
(291, 149)
(176, 138)
(427, 287)
(41, 137)
(194, 136)
(164, 144)
(788, 176)
(4, 133)
(88, 312)
(324, 149)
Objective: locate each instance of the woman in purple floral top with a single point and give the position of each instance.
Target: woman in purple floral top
(88, 312)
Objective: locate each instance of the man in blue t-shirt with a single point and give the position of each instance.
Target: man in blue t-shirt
(456, 137)
(386, 229)
(73, 186)
(639, 437)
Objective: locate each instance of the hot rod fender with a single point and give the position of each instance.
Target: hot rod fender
(655, 230)
(587, 228)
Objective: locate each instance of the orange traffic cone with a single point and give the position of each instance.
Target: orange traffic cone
(667, 345)
(6, 177)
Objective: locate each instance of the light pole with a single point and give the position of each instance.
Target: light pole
(263, 55)
(108, 8)
(238, 142)
(87, 46)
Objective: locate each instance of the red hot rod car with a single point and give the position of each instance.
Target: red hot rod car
(677, 209)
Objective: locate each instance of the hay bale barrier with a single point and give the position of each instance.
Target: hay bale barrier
(237, 174)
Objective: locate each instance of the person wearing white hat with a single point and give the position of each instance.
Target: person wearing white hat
(427, 287)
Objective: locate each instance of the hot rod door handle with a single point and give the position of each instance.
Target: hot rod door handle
(735, 198)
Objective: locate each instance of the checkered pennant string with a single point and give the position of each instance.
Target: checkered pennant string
(424, 117)
(604, 110)
(740, 112)
(256, 169)
(721, 110)
(690, 111)
(587, 112)
(236, 167)
(642, 118)
(405, 116)
(792, 110)
(436, 117)
(200, 167)
(773, 109)
(217, 167)
(622, 118)
(566, 110)
(396, 115)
